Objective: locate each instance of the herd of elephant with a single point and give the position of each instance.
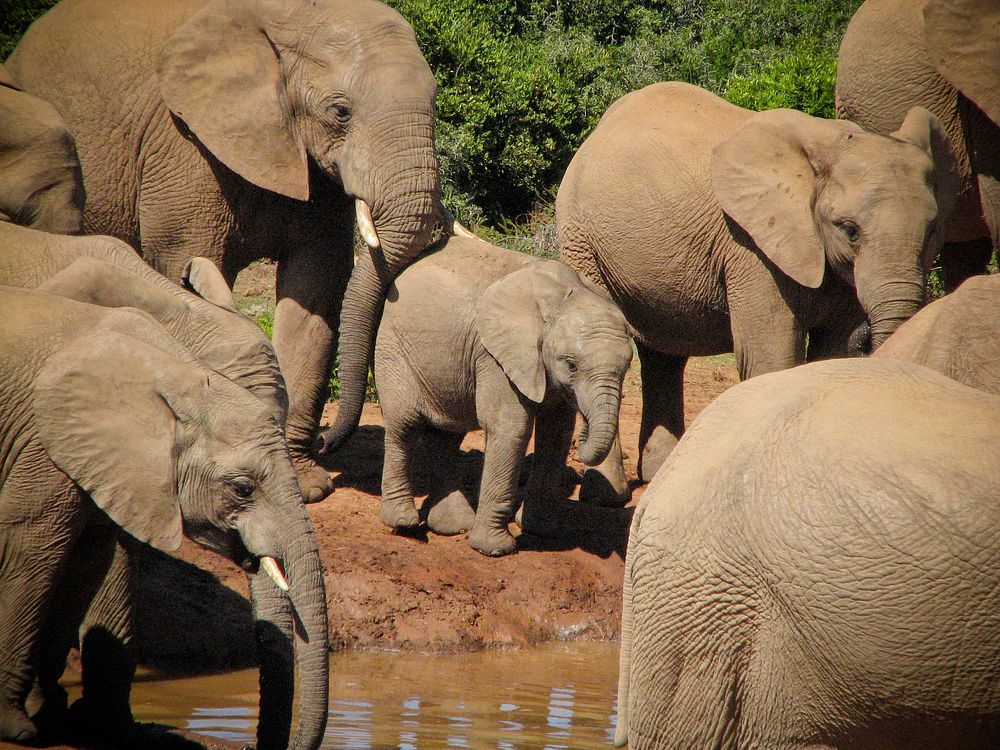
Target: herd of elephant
(817, 562)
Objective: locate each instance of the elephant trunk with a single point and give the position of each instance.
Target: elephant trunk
(403, 216)
(601, 425)
(892, 303)
(277, 615)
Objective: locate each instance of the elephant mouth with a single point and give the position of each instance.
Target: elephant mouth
(252, 563)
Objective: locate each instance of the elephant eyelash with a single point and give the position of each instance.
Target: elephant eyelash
(851, 230)
(242, 488)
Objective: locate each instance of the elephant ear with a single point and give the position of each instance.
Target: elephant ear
(223, 76)
(924, 130)
(203, 277)
(103, 420)
(764, 175)
(963, 37)
(510, 324)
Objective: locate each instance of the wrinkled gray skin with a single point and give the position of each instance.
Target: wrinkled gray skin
(943, 55)
(107, 272)
(718, 229)
(107, 427)
(958, 335)
(40, 181)
(475, 336)
(239, 130)
(826, 576)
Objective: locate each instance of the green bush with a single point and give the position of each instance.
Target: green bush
(15, 17)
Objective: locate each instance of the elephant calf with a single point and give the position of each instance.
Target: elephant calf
(109, 427)
(827, 575)
(477, 336)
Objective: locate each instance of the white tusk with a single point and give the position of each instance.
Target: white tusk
(365, 224)
(270, 566)
(453, 226)
(458, 230)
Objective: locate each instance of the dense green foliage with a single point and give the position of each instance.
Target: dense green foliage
(522, 82)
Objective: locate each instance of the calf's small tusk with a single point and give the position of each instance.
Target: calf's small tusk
(270, 566)
(365, 224)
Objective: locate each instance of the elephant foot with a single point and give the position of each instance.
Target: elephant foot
(314, 481)
(451, 515)
(16, 726)
(655, 452)
(492, 542)
(599, 489)
(401, 516)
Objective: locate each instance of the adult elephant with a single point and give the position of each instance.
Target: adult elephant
(40, 181)
(816, 566)
(242, 130)
(718, 229)
(943, 55)
(958, 335)
(110, 427)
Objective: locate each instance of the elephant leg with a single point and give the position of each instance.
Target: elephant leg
(311, 282)
(33, 555)
(447, 509)
(662, 407)
(767, 334)
(554, 426)
(106, 651)
(398, 510)
(505, 446)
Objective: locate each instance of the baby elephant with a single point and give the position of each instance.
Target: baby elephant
(477, 336)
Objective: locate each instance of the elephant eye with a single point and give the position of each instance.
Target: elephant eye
(571, 366)
(340, 109)
(242, 487)
(851, 230)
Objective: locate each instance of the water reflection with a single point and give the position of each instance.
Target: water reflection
(555, 697)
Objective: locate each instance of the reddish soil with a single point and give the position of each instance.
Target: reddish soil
(428, 593)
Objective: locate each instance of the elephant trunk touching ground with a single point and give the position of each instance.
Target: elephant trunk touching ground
(601, 427)
(277, 615)
(397, 227)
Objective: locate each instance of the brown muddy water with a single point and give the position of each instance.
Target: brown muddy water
(557, 697)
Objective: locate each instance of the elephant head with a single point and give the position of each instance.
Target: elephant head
(271, 87)
(550, 333)
(164, 446)
(814, 193)
(41, 185)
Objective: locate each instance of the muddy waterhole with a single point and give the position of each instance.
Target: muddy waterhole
(556, 696)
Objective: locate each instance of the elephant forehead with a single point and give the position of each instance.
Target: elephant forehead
(866, 155)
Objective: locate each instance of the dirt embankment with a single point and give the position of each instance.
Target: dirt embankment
(436, 593)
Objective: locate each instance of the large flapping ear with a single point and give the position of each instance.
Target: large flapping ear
(104, 420)
(510, 325)
(202, 277)
(963, 37)
(223, 76)
(924, 130)
(764, 175)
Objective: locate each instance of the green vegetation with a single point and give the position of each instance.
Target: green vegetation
(15, 17)
(522, 82)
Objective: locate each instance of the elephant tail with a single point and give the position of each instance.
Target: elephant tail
(356, 352)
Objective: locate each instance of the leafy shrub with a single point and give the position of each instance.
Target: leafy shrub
(15, 17)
